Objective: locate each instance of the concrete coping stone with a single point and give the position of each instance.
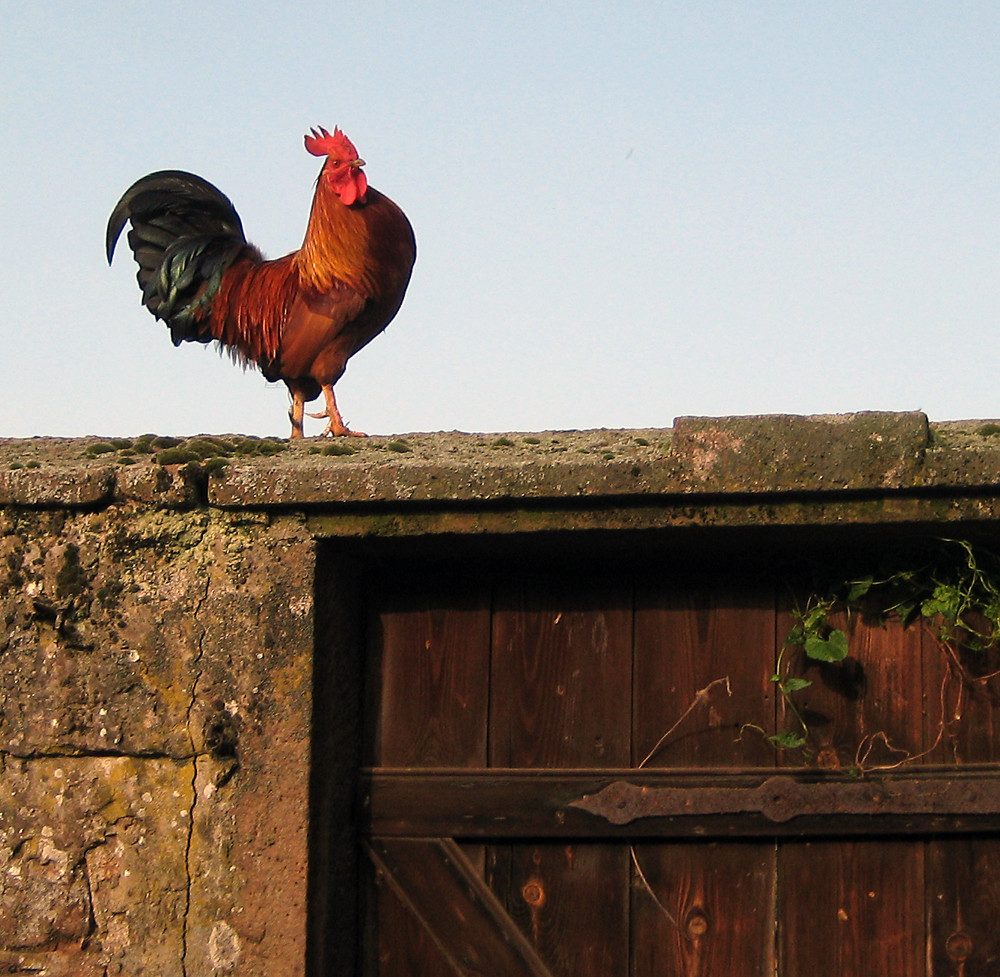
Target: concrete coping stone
(698, 457)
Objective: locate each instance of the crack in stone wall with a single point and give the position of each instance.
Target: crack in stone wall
(155, 680)
(198, 669)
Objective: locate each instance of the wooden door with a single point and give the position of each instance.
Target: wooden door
(568, 775)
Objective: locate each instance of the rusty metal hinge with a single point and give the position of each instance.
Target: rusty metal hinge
(782, 798)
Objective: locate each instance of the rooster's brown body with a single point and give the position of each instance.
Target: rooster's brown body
(298, 318)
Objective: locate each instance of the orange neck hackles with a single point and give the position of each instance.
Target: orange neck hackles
(336, 245)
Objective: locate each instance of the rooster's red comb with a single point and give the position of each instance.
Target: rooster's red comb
(322, 143)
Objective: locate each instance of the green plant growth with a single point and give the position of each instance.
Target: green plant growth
(957, 585)
(948, 586)
(335, 449)
(820, 642)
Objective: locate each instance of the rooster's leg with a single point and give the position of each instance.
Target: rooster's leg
(295, 413)
(335, 424)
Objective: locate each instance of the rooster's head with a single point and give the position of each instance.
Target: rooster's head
(343, 165)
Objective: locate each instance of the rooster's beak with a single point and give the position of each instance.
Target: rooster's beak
(356, 163)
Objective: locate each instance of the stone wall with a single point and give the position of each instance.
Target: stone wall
(158, 660)
(155, 698)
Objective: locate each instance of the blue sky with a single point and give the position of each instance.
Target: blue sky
(625, 212)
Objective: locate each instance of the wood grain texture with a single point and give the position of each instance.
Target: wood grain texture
(513, 715)
(697, 909)
(963, 907)
(405, 948)
(570, 900)
(561, 672)
(461, 915)
(429, 682)
(690, 632)
(679, 803)
(431, 655)
(561, 698)
(866, 711)
(851, 909)
(962, 693)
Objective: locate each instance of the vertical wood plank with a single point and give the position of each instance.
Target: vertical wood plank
(570, 900)
(432, 652)
(561, 697)
(854, 909)
(963, 906)
(690, 632)
(851, 908)
(700, 910)
(561, 672)
(867, 710)
(963, 874)
(962, 696)
(405, 948)
(429, 656)
(889, 720)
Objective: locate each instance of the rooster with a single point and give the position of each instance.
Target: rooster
(298, 318)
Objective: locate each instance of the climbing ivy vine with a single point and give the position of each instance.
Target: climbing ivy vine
(950, 586)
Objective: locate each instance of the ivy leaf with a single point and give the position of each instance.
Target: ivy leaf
(946, 601)
(859, 588)
(814, 618)
(790, 741)
(795, 637)
(833, 648)
(991, 611)
(794, 684)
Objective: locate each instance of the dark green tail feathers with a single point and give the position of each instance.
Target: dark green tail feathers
(185, 233)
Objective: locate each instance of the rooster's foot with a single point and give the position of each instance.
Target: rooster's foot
(336, 427)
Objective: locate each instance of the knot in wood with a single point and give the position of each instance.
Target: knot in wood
(958, 946)
(533, 894)
(697, 925)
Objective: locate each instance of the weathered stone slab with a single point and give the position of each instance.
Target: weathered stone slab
(93, 873)
(102, 640)
(448, 467)
(160, 485)
(785, 453)
(48, 487)
(868, 451)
